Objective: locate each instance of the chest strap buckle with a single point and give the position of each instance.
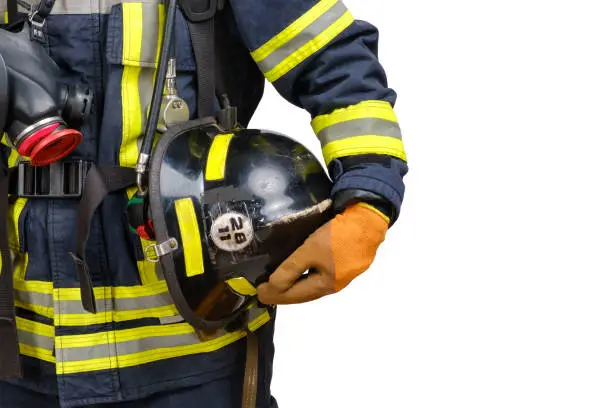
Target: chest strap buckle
(63, 179)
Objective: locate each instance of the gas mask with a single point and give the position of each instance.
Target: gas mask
(39, 114)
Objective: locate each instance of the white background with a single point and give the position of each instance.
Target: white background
(495, 287)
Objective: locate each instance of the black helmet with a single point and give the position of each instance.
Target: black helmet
(227, 210)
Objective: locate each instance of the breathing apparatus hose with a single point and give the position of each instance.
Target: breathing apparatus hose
(156, 100)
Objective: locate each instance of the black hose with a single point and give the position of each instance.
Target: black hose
(160, 78)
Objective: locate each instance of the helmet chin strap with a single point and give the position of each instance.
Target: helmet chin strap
(156, 101)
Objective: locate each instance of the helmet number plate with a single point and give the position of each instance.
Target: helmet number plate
(232, 231)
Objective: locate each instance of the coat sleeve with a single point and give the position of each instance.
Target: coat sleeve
(320, 58)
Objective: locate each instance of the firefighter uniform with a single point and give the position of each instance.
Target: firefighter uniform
(318, 57)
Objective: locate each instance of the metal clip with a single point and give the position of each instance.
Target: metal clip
(37, 28)
(154, 252)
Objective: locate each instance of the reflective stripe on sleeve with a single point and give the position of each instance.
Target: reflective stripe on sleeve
(369, 127)
(303, 38)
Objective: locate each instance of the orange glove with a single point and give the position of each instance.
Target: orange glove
(338, 252)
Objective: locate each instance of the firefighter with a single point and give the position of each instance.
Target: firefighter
(137, 350)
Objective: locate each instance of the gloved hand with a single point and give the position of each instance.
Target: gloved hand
(339, 251)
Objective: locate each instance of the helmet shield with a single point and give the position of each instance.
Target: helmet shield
(230, 207)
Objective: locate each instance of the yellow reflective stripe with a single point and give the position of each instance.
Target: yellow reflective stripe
(86, 319)
(33, 286)
(14, 158)
(42, 287)
(136, 85)
(96, 339)
(366, 144)
(132, 32)
(130, 97)
(190, 236)
(147, 269)
(149, 356)
(376, 210)
(217, 156)
(292, 30)
(242, 286)
(110, 292)
(44, 307)
(46, 311)
(37, 352)
(6, 17)
(101, 292)
(36, 339)
(161, 18)
(114, 349)
(21, 260)
(366, 109)
(35, 327)
(132, 123)
(259, 321)
(14, 214)
(20, 265)
(310, 47)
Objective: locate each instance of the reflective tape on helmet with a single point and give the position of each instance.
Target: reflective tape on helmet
(217, 156)
(242, 286)
(190, 237)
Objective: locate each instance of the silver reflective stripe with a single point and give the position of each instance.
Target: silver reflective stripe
(76, 306)
(150, 33)
(145, 91)
(119, 304)
(148, 342)
(310, 32)
(358, 127)
(171, 319)
(36, 340)
(254, 312)
(128, 347)
(80, 6)
(34, 298)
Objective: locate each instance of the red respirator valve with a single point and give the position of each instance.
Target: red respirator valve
(49, 144)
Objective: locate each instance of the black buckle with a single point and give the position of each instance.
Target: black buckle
(64, 179)
(197, 11)
(44, 8)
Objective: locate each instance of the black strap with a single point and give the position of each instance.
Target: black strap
(249, 386)
(101, 181)
(10, 361)
(237, 75)
(44, 9)
(10, 364)
(200, 16)
(12, 10)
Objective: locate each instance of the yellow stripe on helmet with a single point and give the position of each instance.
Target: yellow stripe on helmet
(217, 156)
(190, 236)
